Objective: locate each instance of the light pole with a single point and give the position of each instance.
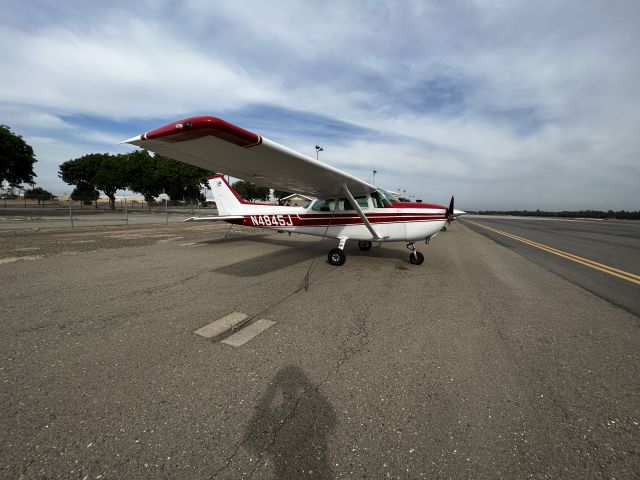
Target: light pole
(373, 181)
(318, 150)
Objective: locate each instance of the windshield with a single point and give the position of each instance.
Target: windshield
(389, 196)
(381, 200)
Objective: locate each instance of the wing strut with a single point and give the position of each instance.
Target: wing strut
(359, 211)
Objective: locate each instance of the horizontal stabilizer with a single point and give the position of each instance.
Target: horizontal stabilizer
(214, 219)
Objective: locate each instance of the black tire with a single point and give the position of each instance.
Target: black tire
(336, 257)
(444, 228)
(364, 245)
(416, 259)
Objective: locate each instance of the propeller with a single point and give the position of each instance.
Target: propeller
(450, 215)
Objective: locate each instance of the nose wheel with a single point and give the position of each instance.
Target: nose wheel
(337, 256)
(415, 257)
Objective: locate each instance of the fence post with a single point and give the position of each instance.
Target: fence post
(126, 212)
(70, 213)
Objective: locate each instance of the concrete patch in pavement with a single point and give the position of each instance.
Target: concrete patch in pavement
(247, 333)
(220, 326)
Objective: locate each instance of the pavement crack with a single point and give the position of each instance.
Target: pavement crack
(169, 285)
(352, 345)
(355, 342)
(227, 463)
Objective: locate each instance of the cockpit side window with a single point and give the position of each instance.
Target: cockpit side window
(344, 204)
(362, 201)
(324, 205)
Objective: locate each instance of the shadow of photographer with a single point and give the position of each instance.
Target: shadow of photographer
(291, 426)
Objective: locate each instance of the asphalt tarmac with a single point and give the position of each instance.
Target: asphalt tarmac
(480, 363)
(613, 245)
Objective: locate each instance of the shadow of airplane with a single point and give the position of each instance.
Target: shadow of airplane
(296, 252)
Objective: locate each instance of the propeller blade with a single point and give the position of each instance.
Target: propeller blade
(450, 211)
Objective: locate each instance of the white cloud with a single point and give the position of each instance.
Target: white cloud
(50, 153)
(133, 70)
(504, 102)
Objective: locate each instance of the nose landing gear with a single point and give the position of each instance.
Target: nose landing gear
(415, 257)
(337, 256)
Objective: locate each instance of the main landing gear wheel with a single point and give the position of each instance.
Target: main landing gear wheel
(416, 258)
(336, 257)
(364, 245)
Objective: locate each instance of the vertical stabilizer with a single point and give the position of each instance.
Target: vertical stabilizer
(228, 202)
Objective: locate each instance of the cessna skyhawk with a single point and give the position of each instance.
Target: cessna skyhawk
(345, 207)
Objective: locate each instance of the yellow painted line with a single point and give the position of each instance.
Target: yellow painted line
(616, 272)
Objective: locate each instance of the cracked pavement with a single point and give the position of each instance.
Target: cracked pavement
(479, 363)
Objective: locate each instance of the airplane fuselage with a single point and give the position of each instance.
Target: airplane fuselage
(392, 223)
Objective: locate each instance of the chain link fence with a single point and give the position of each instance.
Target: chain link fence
(20, 212)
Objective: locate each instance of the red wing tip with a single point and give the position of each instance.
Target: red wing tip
(192, 128)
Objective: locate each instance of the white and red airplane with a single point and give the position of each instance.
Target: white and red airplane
(345, 208)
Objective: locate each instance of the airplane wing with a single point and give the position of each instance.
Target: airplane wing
(219, 146)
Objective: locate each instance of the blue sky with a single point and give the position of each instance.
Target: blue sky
(505, 104)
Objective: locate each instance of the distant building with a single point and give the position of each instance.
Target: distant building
(295, 200)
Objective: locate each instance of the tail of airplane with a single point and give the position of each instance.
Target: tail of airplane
(228, 202)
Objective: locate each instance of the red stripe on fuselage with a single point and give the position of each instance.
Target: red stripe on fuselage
(305, 220)
(373, 219)
(416, 205)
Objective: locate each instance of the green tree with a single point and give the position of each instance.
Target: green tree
(102, 171)
(82, 169)
(251, 191)
(81, 172)
(151, 176)
(16, 158)
(85, 192)
(39, 194)
(111, 176)
(185, 181)
(143, 175)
